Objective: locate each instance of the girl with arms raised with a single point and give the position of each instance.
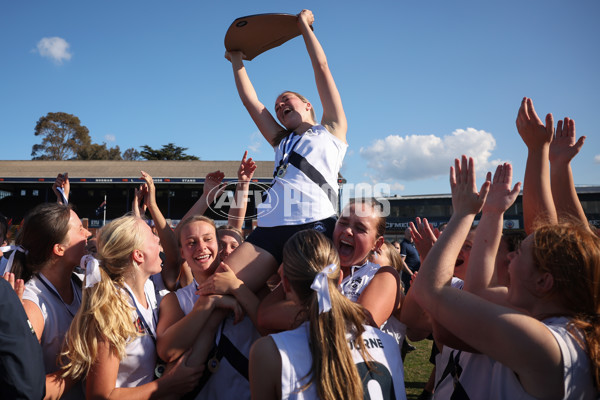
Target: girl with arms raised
(545, 345)
(308, 156)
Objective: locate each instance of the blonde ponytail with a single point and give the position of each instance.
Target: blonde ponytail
(333, 370)
(105, 313)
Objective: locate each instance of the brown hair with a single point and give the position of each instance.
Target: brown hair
(377, 207)
(333, 370)
(224, 228)
(571, 253)
(43, 227)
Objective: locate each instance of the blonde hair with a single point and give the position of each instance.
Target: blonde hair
(190, 220)
(392, 255)
(105, 313)
(333, 370)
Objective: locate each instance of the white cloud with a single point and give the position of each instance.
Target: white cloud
(416, 157)
(256, 141)
(597, 159)
(109, 138)
(54, 48)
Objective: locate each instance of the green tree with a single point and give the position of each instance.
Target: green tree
(167, 152)
(95, 151)
(62, 136)
(131, 154)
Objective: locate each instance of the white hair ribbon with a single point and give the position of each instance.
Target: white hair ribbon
(12, 256)
(92, 270)
(321, 286)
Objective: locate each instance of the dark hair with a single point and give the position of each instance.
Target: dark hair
(43, 227)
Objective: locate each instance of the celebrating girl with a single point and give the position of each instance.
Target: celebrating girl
(546, 343)
(51, 243)
(334, 354)
(308, 157)
(112, 340)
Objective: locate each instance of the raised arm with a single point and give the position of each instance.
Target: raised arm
(168, 241)
(516, 340)
(563, 149)
(480, 272)
(245, 174)
(261, 116)
(138, 205)
(62, 188)
(212, 189)
(419, 325)
(537, 195)
(334, 118)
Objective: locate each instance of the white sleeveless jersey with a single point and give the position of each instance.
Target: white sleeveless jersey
(137, 368)
(226, 383)
(460, 370)
(294, 198)
(360, 276)
(578, 383)
(385, 383)
(57, 319)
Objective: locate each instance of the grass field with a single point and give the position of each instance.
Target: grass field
(417, 369)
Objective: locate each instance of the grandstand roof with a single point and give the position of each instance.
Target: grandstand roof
(90, 171)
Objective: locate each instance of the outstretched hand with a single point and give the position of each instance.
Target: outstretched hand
(18, 285)
(465, 197)
(150, 195)
(500, 196)
(423, 235)
(247, 168)
(564, 146)
(139, 206)
(213, 186)
(533, 132)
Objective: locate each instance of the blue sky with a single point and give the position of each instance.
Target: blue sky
(421, 81)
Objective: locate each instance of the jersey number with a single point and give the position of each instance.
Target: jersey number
(377, 381)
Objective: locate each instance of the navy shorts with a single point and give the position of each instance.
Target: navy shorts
(273, 238)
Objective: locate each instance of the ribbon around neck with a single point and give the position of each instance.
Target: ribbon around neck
(321, 286)
(11, 259)
(92, 270)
